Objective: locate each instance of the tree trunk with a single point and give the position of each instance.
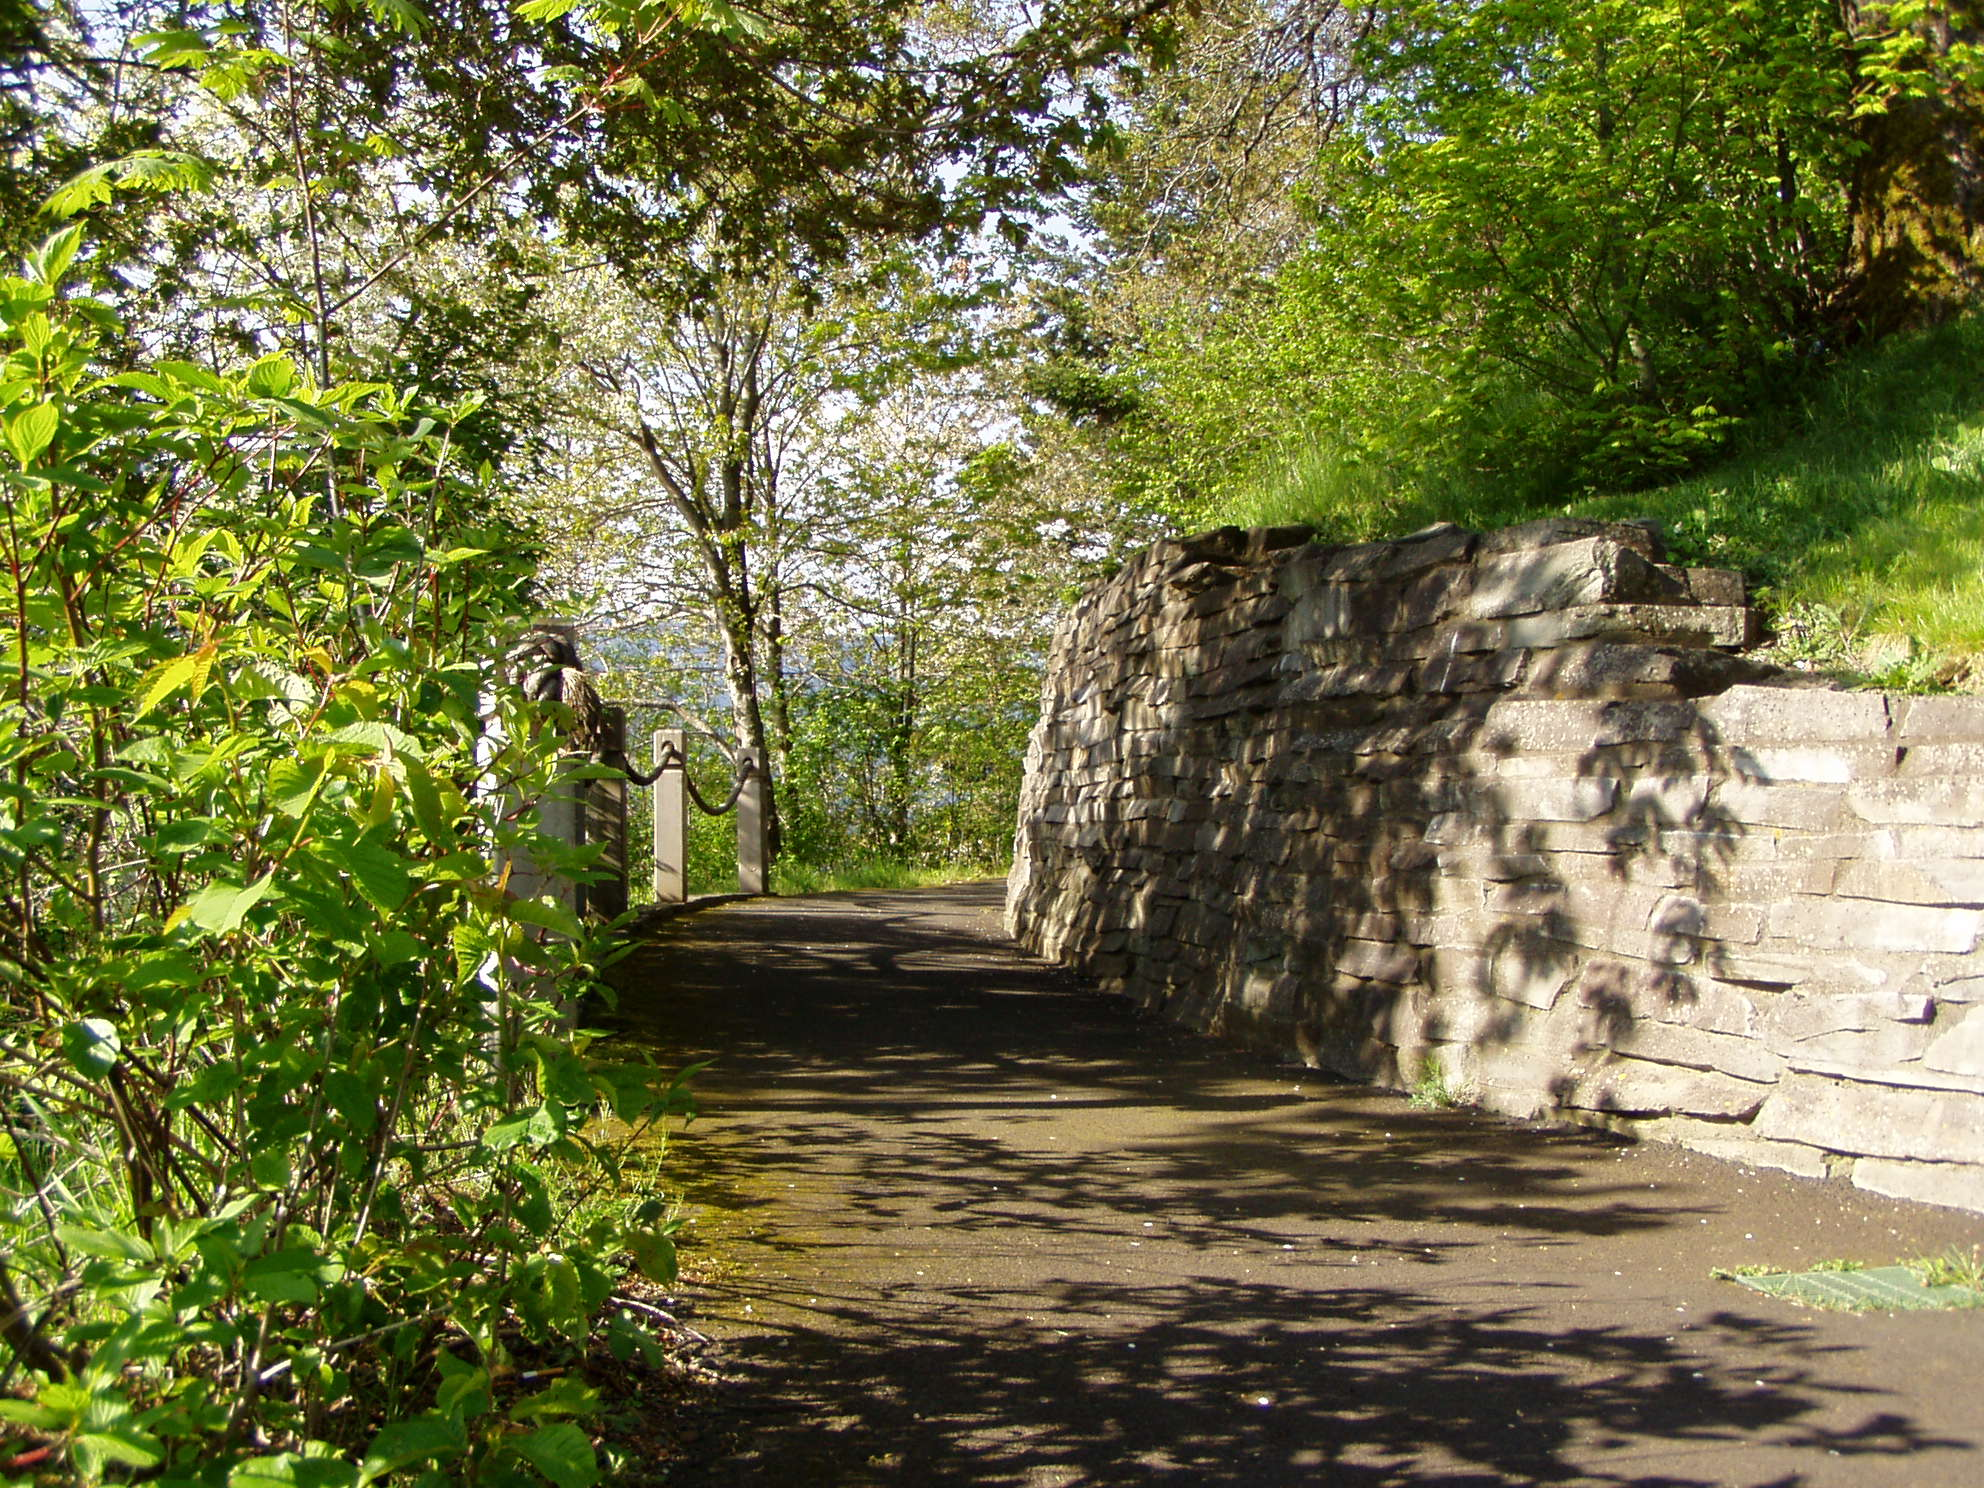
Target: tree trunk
(902, 760)
(1917, 195)
(780, 691)
(731, 610)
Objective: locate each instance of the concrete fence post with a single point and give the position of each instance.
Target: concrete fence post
(671, 818)
(753, 850)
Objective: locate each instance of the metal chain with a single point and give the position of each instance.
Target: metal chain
(743, 778)
(669, 757)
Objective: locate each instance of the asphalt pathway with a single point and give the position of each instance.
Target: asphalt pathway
(957, 1218)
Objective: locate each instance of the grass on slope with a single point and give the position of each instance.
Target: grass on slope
(1858, 513)
(873, 873)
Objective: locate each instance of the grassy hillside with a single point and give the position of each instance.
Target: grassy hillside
(1858, 513)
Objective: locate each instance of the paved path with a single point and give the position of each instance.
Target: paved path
(964, 1221)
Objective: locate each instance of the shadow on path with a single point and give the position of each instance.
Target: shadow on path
(978, 1224)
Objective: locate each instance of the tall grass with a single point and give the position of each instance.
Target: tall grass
(1856, 508)
(874, 873)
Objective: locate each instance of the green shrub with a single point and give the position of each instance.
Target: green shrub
(295, 1149)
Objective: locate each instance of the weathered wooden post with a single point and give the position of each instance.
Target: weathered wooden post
(753, 848)
(547, 654)
(605, 819)
(671, 818)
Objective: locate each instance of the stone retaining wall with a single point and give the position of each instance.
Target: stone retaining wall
(1510, 813)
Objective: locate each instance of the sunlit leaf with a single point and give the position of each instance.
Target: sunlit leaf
(30, 431)
(92, 1046)
(220, 907)
(189, 671)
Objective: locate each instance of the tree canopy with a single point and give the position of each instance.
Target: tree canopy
(1554, 244)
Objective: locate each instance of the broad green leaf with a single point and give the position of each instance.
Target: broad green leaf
(37, 333)
(293, 1275)
(293, 1470)
(271, 1168)
(508, 1132)
(566, 1397)
(291, 783)
(654, 1253)
(349, 1095)
(186, 556)
(213, 1082)
(142, 170)
(220, 907)
(562, 1077)
(272, 377)
(562, 1453)
(429, 807)
(190, 374)
(110, 1245)
(374, 737)
(51, 260)
(188, 833)
(92, 1046)
(458, 867)
(551, 1298)
(547, 1125)
(30, 430)
(160, 968)
(397, 947)
(386, 552)
(533, 1208)
(465, 1392)
(182, 48)
(264, 678)
(29, 1413)
(189, 671)
(402, 15)
(428, 1438)
(378, 873)
(547, 914)
(472, 949)
(126, 1446)
(69, 1400)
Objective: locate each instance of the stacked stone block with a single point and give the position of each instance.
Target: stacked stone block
(1513, 809)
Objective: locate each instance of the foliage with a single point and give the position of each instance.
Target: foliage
(1630, 209)
(298, 1152)
(931, 595)
(1433, 1089)
(715, 425)
(643, 130)
(1565, 247)
(878, 873)
(1857, 510)
(1955, 1267)
(1551, 248)
(818, 553)
(45, 70)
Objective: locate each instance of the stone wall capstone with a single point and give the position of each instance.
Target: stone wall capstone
(1513, 809)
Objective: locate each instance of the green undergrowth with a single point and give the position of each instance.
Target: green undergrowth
(1952, 1280)
(1856, 509)
(874, 873)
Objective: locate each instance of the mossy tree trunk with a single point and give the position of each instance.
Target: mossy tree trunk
(1917, 192)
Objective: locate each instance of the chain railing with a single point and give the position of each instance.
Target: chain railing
(674, 789)
(548, 667)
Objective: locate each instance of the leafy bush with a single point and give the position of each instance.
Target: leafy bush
(296, 1151)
